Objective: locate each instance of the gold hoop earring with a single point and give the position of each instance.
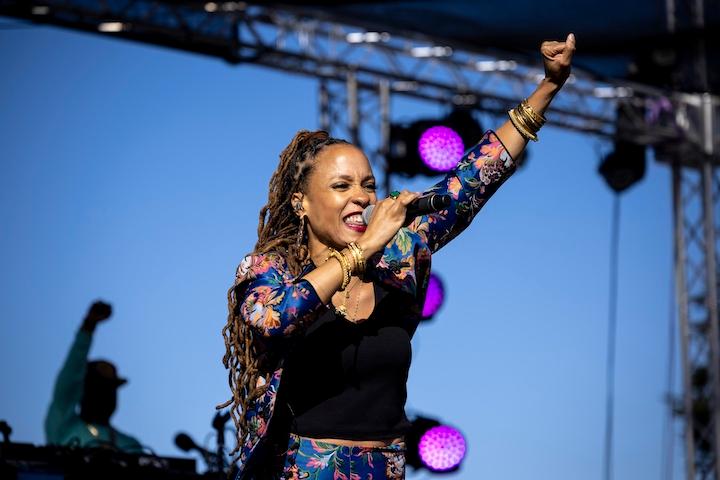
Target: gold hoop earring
(300, 232)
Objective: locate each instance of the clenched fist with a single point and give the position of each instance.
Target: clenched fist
(557, 57)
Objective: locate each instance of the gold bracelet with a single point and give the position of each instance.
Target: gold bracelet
(359, 257)
(531, 120)
(521, 127)
(343, 264)
(349, 259)
(527, 120)
(539, 119)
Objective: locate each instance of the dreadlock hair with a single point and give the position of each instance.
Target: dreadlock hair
(277, 232)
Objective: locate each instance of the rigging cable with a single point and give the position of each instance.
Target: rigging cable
(612, 327)
(668, 437)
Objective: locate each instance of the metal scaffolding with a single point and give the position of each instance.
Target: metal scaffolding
(695, 200)
(360, 71)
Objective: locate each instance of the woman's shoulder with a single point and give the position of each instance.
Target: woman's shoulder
(255, 264)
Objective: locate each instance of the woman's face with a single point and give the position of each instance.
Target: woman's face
(340, 186)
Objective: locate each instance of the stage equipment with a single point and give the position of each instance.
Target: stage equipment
(433, 446)
(5, 430)
(432, 146)
(218, 424)
(424, 205)
(442, 448)
(435, 297)
(25, 461)
(213, 460)
(624, 166)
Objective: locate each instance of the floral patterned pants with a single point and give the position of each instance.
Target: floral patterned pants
(314, 460)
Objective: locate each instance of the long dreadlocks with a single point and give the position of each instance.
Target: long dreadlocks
(278, 229)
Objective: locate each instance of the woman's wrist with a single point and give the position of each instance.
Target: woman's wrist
(543, 95)
(368, 246)
(552, 86)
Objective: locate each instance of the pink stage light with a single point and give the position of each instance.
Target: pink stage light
(440, 148)
(442, 448)
(435, 296)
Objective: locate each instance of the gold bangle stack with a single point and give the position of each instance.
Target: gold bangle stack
(344, 264)
(356, 254)
(359, 257)
(526, 120)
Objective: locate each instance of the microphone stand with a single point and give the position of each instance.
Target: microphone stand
(218, 424)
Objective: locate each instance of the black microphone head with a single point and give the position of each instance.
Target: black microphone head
(220, 419)
(184, 442)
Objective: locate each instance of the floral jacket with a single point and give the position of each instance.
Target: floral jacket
(277, 304)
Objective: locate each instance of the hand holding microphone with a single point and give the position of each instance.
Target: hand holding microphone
(420, 206)
(387, 216)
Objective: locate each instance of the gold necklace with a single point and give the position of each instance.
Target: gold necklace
(342, 309)
(357, 306)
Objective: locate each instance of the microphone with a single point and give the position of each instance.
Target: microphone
(420, 206)
(185, 443)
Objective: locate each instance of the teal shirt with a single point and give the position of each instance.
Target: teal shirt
(63, 425)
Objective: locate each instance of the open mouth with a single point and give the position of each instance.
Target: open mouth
(355, 222)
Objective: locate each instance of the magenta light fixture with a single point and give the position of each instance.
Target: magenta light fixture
(440, 148)
(435, 296)
(442, 448)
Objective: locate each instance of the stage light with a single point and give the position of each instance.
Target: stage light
(442, 448)
(428, 52)
(367, 37)
(111, 27)
(433, 446)
(495, 65)
(613, 92)
(624, 167)
(432, 146)
(434, 298)
(40, 10)
(440, 148)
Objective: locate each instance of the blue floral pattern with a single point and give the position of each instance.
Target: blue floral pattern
(315, 460)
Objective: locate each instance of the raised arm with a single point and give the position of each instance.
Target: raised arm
(489, 163)
(470, 185)
(68, 389)
(557, 58)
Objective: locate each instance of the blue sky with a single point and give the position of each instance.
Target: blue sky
(135, 174)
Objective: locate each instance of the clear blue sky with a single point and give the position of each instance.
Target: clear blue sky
(135, 174)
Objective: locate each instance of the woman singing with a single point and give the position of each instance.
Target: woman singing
(322, 313)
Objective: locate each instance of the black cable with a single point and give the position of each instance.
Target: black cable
(668, 437)
(612, 328)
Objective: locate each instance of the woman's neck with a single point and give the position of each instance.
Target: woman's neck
(318, 252)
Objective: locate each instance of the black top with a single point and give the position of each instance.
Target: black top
(348, 380)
